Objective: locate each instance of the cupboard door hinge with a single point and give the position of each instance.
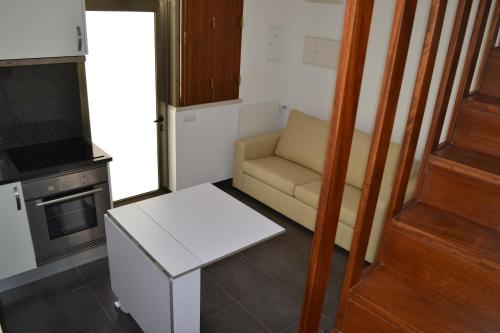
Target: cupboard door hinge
(242, 22)
(239, 79)
(185, 38)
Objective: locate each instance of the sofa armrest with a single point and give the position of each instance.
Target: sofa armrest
(252, 148)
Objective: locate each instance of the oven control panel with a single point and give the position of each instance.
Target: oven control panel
(43, 187)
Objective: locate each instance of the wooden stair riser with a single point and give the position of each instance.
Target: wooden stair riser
(454, 190)
(447, 270)
(482, 103)
(361, 320)
(491, 81)
(478, 130)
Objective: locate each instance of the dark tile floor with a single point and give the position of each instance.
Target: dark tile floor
(258, 290)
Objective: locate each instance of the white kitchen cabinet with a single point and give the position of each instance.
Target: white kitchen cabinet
(42, 28)
(16, 246)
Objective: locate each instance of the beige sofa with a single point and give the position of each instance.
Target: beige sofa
(284, 171)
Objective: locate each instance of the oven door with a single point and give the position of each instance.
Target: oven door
(63, 221)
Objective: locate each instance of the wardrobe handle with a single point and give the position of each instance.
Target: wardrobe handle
(79, 36)
(18, 198)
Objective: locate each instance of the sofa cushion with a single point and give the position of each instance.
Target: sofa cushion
(309, 193)
(360, 151)
(304, 141)
(350, 204)
(279, 173)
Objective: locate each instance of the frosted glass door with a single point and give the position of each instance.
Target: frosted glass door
(121, 85)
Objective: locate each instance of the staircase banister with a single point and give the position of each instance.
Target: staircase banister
(358, 15)
(416, 115)
(381, 138)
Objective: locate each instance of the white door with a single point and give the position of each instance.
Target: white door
(121, 83)
(16, 247)
(42, 28)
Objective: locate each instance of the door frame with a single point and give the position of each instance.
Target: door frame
(159, 8)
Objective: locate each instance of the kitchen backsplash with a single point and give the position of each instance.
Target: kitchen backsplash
(39, 103)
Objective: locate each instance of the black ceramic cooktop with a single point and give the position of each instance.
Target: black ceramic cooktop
(49, 154)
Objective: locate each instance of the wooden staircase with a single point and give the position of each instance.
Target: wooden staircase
(440, 270)
(438, 266)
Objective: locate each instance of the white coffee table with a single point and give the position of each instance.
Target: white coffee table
(157, 247)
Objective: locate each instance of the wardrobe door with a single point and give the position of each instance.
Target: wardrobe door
(195, 75)
(227, 17)
(211, 50)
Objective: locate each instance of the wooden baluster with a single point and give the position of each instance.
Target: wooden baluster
(416, 114)
(490, 42)
(446, 85)
(470, 62)
(357, 22)
(394, 70)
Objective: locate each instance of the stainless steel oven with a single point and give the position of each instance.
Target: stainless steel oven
(66, 212)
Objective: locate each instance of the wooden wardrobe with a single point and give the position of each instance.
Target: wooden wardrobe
(206, 49)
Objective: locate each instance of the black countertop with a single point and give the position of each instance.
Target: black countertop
(10, 174)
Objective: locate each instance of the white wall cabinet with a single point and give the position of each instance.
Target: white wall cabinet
(42, 28)
(16, 247)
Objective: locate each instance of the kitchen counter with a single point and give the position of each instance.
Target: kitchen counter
(9, 173)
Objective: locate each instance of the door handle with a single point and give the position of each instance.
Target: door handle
(69, 197)
(18, 198)
(160, 119)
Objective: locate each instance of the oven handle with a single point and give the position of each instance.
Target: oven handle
(69, 197)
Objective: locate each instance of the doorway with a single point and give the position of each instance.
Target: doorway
(125, 106)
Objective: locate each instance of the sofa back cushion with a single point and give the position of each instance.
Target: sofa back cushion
(360, 151)
(304, 141)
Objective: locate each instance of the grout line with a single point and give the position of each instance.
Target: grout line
(60, 295)
(104, 309)
(76, 330)
(237, 302)
(25, 291)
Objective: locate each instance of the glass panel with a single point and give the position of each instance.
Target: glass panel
(72, 216)
(121, 81)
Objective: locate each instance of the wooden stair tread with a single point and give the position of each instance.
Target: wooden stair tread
(414, 308)
(456, 230)
(483, 162)
(482, 102)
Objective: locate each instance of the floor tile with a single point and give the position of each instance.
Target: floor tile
(330, 309)
(275, 306)
(325, 326)
(23, 320)
(297, 283)
(95, 270)
(221, 263)
(12, 300)
(124, 322)
(339, 262)
(70, 311)
(232, 320)
(240, 278)
(104, 326)
(297, 239)
(54, 285)
(213, 297)
(275, 259)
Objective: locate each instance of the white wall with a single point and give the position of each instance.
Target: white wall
(310, 88)
(263, 80)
